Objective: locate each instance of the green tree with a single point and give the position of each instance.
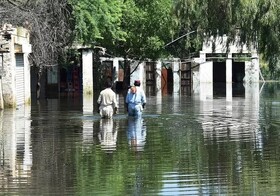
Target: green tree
(132, 29)
(97, 22)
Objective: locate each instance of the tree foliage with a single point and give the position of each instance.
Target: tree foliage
(141, 29)
(127, 28)
(50, 26)
(49, 23)
(97, 21)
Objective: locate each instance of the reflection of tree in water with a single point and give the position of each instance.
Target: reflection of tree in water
(107, 135)
(136, 133)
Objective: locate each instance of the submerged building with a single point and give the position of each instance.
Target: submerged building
(224, 66)
(15, 67)
(220, 68)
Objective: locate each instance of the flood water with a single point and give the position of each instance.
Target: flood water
(182, 145)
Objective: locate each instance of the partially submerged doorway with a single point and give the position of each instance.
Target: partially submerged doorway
(238, 74)
(219, 78)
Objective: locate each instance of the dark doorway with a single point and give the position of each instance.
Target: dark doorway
(238, 73)
(219, 79)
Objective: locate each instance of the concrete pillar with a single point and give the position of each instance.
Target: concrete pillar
(116, 69)
(87, 63)
(158, 75)
(1, 95)
(252, 69)
(138, 74)
(205, 78)
(9, 78)
(229, 92)
(229, 78)
(255, 67)
(252, 95)
(206, 91)
(26, 49)
(176, 76)
(205, 70)
(229, 68)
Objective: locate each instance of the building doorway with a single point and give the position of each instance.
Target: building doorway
(238, 74)
(219, 79)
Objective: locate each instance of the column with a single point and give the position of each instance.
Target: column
(176, 76)
(229, 78)
(229, 68)
(87, 62)
(116, 70)
(158, 76)
(87, 72)
(255, 67)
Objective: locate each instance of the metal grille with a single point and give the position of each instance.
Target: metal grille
(20, 96)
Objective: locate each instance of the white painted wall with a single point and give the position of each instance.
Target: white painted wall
(176, 76)
(87, 63)
(206, 72)
(229, 69)
(138, 74)
(116, 69)
(158, 75)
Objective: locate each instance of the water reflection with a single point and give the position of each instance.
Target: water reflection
(136, 133)
(223, 117)
(15, 144)
(108, 134)
(213, 146)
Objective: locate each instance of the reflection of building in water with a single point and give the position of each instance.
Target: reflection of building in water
(136, 133)
(108, 135)
(237, 118)
(15, 144)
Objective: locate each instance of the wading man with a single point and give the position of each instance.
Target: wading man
(107, 102)
(136, 101)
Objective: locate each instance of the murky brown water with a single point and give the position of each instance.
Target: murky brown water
(183, 145)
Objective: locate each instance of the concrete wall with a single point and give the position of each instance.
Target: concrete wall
(176, 76)
(219, 45)
(138, 73)
(87, 63)
(19, 43)
(8, 78)
(203, 76)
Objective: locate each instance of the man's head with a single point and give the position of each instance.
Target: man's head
(108, 84)
(137, 82)
(133, 89)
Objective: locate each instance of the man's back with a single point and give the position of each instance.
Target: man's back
(107, 97)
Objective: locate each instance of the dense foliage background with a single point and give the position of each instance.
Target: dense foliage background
(144, 28)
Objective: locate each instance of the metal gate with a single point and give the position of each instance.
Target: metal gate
(186, 78)
(20, 95)
(150, 77)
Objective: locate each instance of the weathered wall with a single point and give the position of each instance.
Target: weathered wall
(19, 43)
(87, 62)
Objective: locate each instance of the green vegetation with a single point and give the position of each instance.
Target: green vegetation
(143, 29)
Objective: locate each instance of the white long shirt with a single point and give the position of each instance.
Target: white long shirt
(107, 97)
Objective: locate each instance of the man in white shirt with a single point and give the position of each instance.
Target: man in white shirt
(107, 102)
